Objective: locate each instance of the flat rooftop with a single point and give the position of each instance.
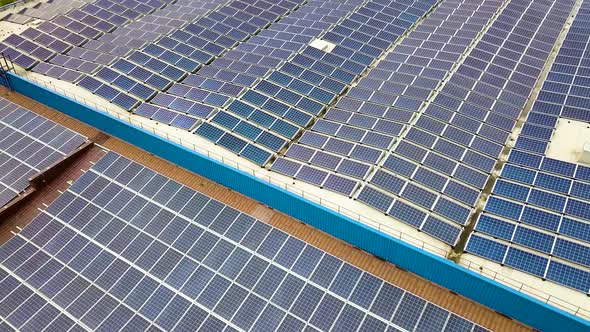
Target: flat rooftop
(401, 278)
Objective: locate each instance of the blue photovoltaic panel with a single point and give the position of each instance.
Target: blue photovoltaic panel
(30, 144)
(495, 227)
(160, 255)
(487, 248)
(435, 111)
(554, 193)
(525, 261)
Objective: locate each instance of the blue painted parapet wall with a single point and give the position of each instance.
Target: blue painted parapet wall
(443, 272)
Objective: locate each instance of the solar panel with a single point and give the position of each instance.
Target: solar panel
(30, 144)
(137, 277)
(416, 136)
(547, 189)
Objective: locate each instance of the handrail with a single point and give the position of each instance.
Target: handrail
(13, 4)
(259, 173)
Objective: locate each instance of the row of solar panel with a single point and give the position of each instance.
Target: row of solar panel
(49, 34)
(418, 194)
(543, 199)
(425, 177)
(341, 147)
(74, 64)
(452, 148)
(264, 121)
(91, 55)
(554, 193)
(30, 47)
(321, 76)
(181, 105)
(245, 73)
(328, 161)
(125, 83)
(182, 270)
(58, 72)
(354, 125)
(228, 76)
(520, 259)
(117, 15)
(141, 25)
(319, 177)
(551, 165)
(442, 163)
(129, 37)
(130, 8)
(237, 145)
(183, 56)
(164, 66)
(108, 48)
(29, 143)
(411, 215)
(166, 116)
(558, 184)
(109, 93)
(531, 237)
(18, 57)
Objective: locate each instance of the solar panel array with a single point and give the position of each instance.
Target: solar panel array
(125, 248)
(29, 143)
(257, 118)
(538, 218)
(444, 159)
(313, 79)
(179, 52)
(365, 124)
(201, 42)
(77, 31)
(44, 10)
(408, 111)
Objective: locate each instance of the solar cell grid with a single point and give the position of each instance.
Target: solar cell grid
(447, 101)
(348, 132)
(452, 147)
(171, 57)
(30, 144)
(207, 292)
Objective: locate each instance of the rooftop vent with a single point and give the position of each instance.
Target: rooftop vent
(323, 45)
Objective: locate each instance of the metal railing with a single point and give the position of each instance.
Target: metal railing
(263, 175)
(526, 289)
(258, 172)
(13, 4)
